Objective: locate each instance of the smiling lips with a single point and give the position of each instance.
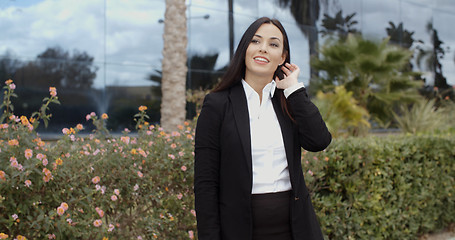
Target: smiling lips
(261, 60)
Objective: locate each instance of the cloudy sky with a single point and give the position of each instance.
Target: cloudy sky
(125, 36)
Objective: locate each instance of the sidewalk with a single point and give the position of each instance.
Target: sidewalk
(447, 234)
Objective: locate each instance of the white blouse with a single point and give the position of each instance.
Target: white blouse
(270, 167)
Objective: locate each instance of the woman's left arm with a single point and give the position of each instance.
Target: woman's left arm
(313, 133)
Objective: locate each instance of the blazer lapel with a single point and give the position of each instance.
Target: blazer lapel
(286, 131)
(242, 119)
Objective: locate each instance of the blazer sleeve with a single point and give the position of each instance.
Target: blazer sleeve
(313, 133)
(206, 168)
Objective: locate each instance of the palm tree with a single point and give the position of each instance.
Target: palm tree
(431, 57)
(203, 78)
(399, 35)
(174, 65)
(339, 24)
(373, 71)
(402, 37)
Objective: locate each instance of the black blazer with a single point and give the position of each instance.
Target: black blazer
(223, 172)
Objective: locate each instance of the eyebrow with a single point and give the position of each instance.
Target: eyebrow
(273, 38)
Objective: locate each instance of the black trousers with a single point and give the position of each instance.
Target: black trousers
(271, 218)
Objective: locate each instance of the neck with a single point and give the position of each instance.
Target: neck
(257, 82)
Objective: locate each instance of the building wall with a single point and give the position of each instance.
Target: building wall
(91, 49)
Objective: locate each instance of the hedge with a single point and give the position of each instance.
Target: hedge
(139, 186)
(395, 187)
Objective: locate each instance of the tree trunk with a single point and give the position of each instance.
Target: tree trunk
(174, 66)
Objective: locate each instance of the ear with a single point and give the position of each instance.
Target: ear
(283, 58)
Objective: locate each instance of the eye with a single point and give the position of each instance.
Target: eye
(254, 41)
(274, 45)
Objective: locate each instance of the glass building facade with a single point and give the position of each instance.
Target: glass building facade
(104, 56)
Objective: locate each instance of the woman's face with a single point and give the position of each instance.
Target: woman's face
(265, 52)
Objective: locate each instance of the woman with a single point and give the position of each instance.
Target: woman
(248, 176)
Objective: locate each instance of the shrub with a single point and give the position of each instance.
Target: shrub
(423, 116)
(133, 186)
(394, 187)
(341, 112)
(141, 185)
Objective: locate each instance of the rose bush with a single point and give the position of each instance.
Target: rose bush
(94, 187)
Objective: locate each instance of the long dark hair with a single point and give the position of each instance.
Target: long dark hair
(236, 69)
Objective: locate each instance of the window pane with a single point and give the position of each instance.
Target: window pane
(85, 49)
(215, 5)
(376, 16)
(208, 46)
(125, 96)
(247, 7)
(441, 22)
(417, 24)
(272, 9)
(347, 7)
(30, 27)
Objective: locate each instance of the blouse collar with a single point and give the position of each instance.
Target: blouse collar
(268, 89)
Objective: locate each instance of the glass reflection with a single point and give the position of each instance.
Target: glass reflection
(208, 47)
(214, 5)
(72, 73)
(105, 56)
(417, 24)
(345, 8)
(88, 51)
(299, 44)
(446, 34)
(246, 7)
(379, 15)
(281, 9)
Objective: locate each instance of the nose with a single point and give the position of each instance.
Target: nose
(263, 48)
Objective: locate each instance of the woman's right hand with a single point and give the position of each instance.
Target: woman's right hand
(291, 74)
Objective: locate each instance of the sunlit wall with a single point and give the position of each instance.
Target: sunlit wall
(104, 56)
